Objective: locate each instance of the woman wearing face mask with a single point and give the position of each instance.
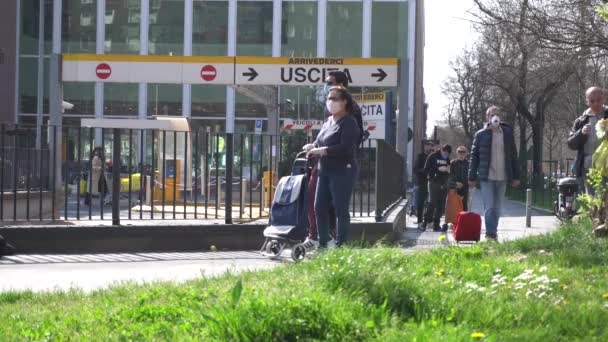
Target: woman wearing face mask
(437, 167)
(335, 145)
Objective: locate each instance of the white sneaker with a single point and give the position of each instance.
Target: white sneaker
(332, 244)
(310, 245)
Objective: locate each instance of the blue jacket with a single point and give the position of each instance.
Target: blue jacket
(481, 154)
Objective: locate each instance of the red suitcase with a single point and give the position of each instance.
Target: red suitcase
(467, 227)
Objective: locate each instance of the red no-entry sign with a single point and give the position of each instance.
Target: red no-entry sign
(103, 71)
(208, 72)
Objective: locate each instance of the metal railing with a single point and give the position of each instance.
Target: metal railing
(389, 178)
(153, 174)
(544, 193)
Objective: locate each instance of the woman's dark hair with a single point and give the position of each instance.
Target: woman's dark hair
(98, 149)
(343, 94)
(447, 148)
(340, 77)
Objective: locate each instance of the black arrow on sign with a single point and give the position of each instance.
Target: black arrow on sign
(252, 74)
(380, 74)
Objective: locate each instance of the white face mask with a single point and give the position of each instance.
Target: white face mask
(334, 106)
(495, 121)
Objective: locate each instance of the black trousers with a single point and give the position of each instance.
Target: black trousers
(436, 208)
(423, 193)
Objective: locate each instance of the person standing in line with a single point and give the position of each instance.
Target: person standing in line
(437, 168)
(334, 79)
(493, 163)
(337, 170)
(583, 137)
(422, 182)
(459, 172)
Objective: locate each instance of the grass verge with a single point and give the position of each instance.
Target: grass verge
(551, 287)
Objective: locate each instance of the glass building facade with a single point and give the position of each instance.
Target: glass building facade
(300, 28)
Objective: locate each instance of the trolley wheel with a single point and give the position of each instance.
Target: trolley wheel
(298, 252)
(273, 248)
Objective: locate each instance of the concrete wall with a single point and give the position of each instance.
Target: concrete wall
(8, 200)
(8, 59)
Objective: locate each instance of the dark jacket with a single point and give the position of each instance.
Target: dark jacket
(431, 168)
(577, 141)
(356, 114)
(481, 154)
(421, 178)
(341, 141)
(459, 170)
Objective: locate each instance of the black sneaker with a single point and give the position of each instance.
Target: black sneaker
(422, 226)
(444, 228)
(491, 237)
(436, 228)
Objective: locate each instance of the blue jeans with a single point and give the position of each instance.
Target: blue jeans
(334, 186)
(493, 196)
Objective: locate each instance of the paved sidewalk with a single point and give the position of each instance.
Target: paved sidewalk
(512, 225)
(95, 271)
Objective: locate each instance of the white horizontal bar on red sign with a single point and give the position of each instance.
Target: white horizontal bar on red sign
(306, 125)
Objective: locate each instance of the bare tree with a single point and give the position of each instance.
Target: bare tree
(529, 73)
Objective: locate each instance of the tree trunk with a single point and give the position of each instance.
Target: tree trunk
(523, 151)
(537, 153)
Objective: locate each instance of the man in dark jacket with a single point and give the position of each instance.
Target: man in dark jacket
(583, 138)
(493, 163)
(422, 182)
(437, 168)
(459, 173)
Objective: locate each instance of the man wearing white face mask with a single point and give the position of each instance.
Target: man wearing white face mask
(493, 163)
(335, 144)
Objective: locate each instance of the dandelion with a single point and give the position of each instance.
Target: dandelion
(605, 295)
(478, 335)
(442, 237)
(439, 273)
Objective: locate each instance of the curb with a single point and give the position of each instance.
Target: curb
(174, 238)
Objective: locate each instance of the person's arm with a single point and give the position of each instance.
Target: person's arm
(430, 166)
(419, 168)
(454, 176)
(474, 161)
(349, 135)
(576, 139)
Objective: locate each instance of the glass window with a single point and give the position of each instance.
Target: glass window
(210, 28)
(165, 99)
(78, 26)
(120, 99)
(299, 35)
(344, 29)
(122, 27)
(29, 27)
(389, 29)
(300, 102)
(209, 100)
(28, 87)
(82, 95)
(248, 107)
(166, 27)
(254, 28)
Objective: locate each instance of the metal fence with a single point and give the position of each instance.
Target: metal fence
(544, 193)
(155, 174)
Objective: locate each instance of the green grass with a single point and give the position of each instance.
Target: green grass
(544, 288)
